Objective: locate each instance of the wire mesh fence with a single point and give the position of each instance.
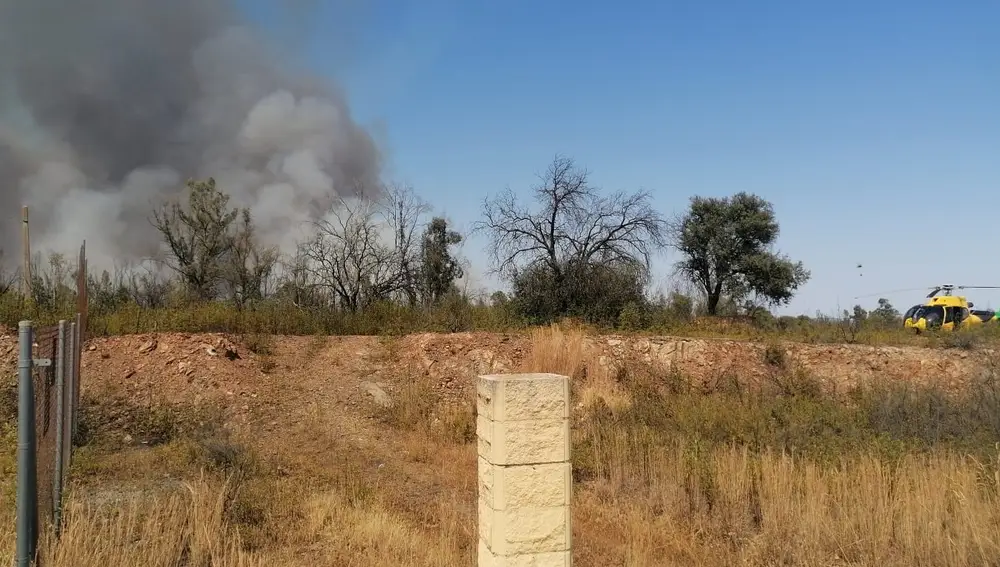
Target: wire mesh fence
(46, 341)
(49, 393)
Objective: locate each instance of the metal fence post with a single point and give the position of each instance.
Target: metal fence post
(71, 377)
(77, 363)
(57, 477)
(27, 469)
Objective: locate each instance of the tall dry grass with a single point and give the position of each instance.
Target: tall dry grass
(730, 506)
(567, 351)
(163, 530)
(345, 524)
(655, 499)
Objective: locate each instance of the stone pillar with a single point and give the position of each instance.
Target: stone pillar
(525, 476)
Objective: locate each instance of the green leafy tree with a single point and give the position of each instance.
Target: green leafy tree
(859, 314)
(593, 292)
(885, 314)
(726, 245)
(439, 268)
(107, 293)
(198, 236)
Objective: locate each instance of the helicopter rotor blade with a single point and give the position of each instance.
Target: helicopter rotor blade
(885, 293)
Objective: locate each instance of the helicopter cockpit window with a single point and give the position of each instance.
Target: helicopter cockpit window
(933, 314)
(911, 312)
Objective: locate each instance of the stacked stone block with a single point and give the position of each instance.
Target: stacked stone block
(525, 476)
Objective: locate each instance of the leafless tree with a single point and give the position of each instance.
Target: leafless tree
(148, 284)
(403, 210)
(8, 277)
(574, 224)
(365, 250)
(296, 281)
(249, 265)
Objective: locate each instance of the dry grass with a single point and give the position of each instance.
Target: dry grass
(186, 528)
(732, 507)
(229, 521)
(375, 534)
(663, 478)
(277, 317)
(565, 351)
(654, 499)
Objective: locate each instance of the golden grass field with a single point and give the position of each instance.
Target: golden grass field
(666, 474)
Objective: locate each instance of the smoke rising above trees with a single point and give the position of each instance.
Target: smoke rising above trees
(108, 106)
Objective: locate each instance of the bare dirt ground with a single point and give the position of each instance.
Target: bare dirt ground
(295, 380)
(269, 392)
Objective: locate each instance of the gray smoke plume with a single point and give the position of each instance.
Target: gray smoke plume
(108, 106)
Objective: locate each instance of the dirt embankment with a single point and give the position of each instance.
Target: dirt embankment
(176, 368)
(454, 359)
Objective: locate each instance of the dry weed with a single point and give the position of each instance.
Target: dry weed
(652, 499)
(566, 351)
(162, 530)
(733, 507)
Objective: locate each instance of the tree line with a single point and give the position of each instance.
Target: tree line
(568, 250)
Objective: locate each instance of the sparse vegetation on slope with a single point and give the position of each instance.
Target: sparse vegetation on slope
(771, 465)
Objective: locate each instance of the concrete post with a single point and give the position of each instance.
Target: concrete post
(525, 476)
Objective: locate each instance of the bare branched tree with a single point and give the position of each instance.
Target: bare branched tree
(573, 225)
(350, 257)
(148, 284)
(579, 253)
(249, 265)
(403, 211)
(8, 277)
(297, 284)
(365, 250)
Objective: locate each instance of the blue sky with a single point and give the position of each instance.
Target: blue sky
(873, 127)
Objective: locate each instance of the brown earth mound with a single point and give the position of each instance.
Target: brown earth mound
(454, 360)
(216, 369)
(195, 369)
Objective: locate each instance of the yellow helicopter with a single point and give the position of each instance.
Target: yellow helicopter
(947, 312)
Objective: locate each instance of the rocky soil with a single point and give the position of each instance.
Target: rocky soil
(291, 378)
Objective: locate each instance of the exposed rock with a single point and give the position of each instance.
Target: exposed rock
(147, 347)
(379, 396)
